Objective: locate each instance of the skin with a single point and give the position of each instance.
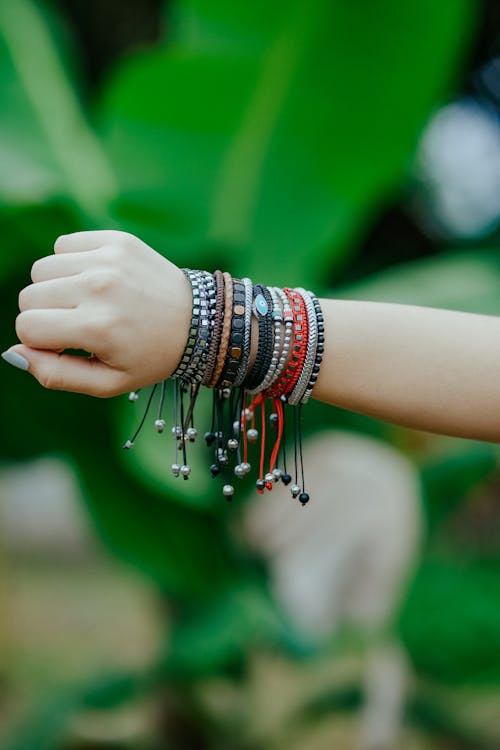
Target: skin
(109, 293)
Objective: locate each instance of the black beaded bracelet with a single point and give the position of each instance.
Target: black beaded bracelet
(236, 337)
(262, 311)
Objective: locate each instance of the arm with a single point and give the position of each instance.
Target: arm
(111, 294)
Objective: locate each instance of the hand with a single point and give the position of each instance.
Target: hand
(110, 294)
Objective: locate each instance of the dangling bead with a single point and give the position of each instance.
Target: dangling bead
(176, 470)
(246, 467)
(222, 457)
(209, 438)
(191, 434)
(260, 484)
(177, 431)
(286, 478)
(276, 474)
(273, 419)
(160, 425)
(128, 444)
(228, 491)
(304, 498)
(248, 414)
(295, 490)
(214, 470)
(252, 435)
(185, 471)
(269, 479)
(232, 444)
(239, 471)
(226, 392)
(236, 427)
(133, 396)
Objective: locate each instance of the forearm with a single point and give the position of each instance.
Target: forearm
(425, 368)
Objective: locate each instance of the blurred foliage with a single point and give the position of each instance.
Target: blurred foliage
(262, 138)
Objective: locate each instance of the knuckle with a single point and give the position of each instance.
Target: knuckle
(101, 281)
(37, 269)
(23, 329)
(23, 299)
(52, 379)
(100, 327)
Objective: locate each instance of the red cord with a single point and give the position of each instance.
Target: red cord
(274, 455)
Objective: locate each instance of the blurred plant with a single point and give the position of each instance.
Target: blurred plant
(259, 138)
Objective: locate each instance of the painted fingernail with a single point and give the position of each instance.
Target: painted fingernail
(13, 358)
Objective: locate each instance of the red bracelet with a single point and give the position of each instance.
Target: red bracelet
(299, 347)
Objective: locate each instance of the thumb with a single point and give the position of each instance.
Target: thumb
(67, 372)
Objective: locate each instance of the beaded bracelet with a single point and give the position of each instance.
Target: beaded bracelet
(289, 354)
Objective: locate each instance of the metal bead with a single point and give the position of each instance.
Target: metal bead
(191, 433)
(260, 484)
(222, 457)
(128, 444)
(286, 478)
(252, 435)
(269, 478)
(185, 470)
(246, 467)
(238, 470)
(273, 418)
(304, 497)
(177, 431)
(232, 444)
(276, 474)
(160, 425)
(228, 490)
(248, 414)
(133, 396)
(209, 438)
(176, 470)
(236, 427)
(295, 490)
(214, 470)
(226, 392)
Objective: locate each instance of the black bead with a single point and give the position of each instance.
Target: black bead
(320, 349)
(209, 438)
(260, 484)
(214, 470)
(304, 498)
(286, 479)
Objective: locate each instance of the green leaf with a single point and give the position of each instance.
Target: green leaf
(451, 621)
(47, 148)
(467, 280)
(262, 134)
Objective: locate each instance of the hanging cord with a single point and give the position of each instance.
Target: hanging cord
(285, 476)
(274, 453)
(129, 443)
(175, 466)
(185, 466)
(243, 424)
(304, 496)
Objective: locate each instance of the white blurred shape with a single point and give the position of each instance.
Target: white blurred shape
(41, 509)
(459, 165)
(347, 554)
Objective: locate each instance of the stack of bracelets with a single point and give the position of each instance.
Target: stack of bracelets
(217, 353)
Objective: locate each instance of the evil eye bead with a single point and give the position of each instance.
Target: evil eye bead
(260, 305)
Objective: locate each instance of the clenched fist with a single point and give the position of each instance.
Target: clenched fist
(110, 294)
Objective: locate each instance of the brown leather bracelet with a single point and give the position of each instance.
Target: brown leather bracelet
(226, 328)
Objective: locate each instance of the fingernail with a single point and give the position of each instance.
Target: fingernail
(13, 358)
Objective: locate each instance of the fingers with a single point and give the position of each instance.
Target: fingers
(82, 241)
(54, 293)
(57, 329)
(67, 372)
(57, 266)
